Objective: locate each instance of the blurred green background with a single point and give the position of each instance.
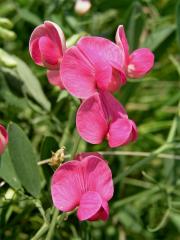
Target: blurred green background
(146, 203)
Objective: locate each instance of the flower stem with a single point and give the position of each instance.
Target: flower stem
(41, 232)
(52, 224)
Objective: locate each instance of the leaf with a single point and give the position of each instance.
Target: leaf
(28, 16)
(23, 159)
(7, 172)
(135, 25)
(32, 84)
(178, 20)
(6, 60)
(49, 145)
(158, 36)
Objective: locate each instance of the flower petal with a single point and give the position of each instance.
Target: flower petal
(106, 57)
(122, 42)
(49, 52)
(3, 139)
(66, 186)
(120, 132)
(77, 74)
(98, 48)
(90, 204)
(98, 176)
(112, 106)
(90, 120)
(140, 62)
(56, 34)
(54, 78)
(102, 214)
(35, 52)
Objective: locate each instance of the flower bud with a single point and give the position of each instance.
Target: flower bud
(82, 6)
(47, 45)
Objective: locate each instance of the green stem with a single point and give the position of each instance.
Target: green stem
(76, 145)
(56, 211)
(52, 224)
(41, 232)
(141, 163)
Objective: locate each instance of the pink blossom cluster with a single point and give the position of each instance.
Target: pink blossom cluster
(92, 71)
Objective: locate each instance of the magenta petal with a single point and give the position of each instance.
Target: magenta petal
(122, 42)
(77, 74)
(54, 78)
(90, 120)
(99, 176)
(112, 106)
(106, 57)
(102, 214)
(90, 204)
(49, 52)
(56, 35)
(98, 48)
(120, 132)
(35, 52)
(140, 62)
(3, 139)
(66, 186)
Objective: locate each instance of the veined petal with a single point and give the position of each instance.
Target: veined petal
(57, 35)
(54, 78)
(77, 74)
(102, 214)
(111, 106)
(98, 48)
(66, 186)
(98, 176)
(107, 59)
(122, 42)
(120, 132)
(49, 52)
(90, 120)
(90, 204)
(35, 52)
(140, 62)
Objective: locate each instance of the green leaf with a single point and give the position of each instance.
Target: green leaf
(24, 159)
(28, 16)
(178, 20)
(6, 60)
(7, 35)
(135, 25)
(159, 35)
(32, 84)
(7, 171)
(49, 145)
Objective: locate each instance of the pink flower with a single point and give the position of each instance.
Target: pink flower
(85, 183)
(3, 139)
(94, 63)
(139, 62)
(47, 45)
(82, 6)
(102, 117)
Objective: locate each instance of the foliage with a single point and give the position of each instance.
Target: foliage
(146, 204)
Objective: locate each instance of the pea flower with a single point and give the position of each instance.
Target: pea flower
(47, 45)
(94, 63)
(84, 183)
(139, 62)
(101, 117)
(82, 6)
(3, 139)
